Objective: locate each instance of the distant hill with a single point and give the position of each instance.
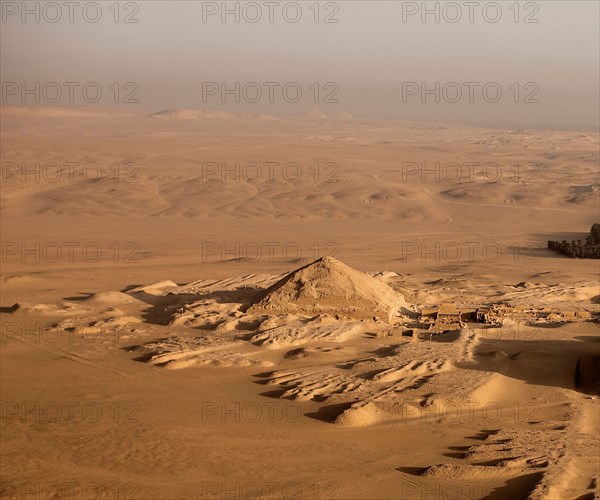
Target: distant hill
(315, 113)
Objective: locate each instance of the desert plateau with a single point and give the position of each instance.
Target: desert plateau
(217, 331)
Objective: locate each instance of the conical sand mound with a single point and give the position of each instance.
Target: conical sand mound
(315, 113)
(329, 286)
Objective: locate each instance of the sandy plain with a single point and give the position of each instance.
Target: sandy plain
(135, 365)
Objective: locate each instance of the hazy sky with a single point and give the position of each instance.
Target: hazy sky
(376, 60)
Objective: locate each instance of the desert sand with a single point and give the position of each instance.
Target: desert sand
(201, 304)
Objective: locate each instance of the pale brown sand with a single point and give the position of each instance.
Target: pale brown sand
(149, 372)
